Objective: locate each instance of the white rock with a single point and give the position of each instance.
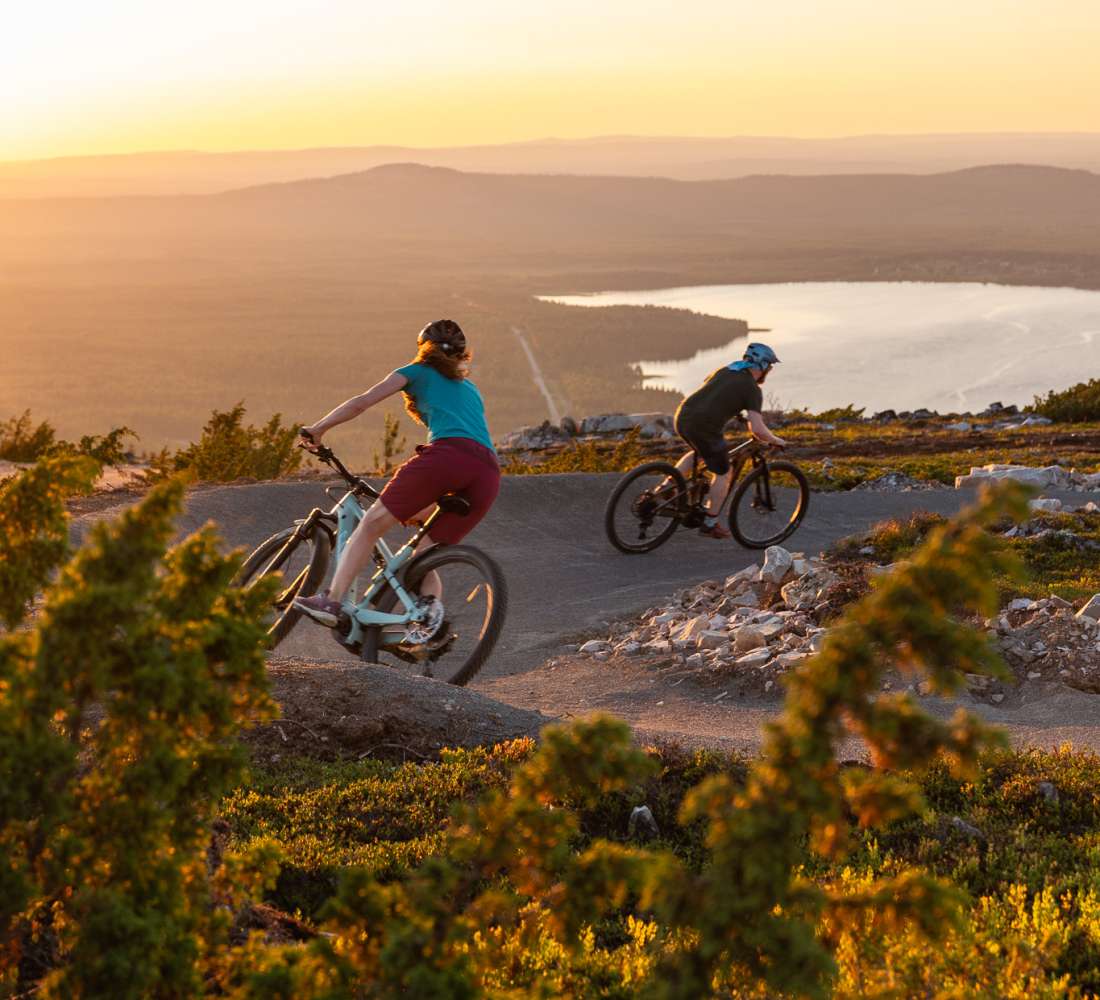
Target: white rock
(1091, 609)
(718, 622)
(630, 648)
(1049, 505)
(741, 579)
(1033, 675)
(807, 590)
(690, 630)
(747, 638)
(1019, 604)
(817, 641)
(997, 698)
(711, 640)
(800, 567)
(757, 658)
(694, 661)
(665, 618)
(748, 599)
(788, 660)
(595, 646)
(962, 425)
(777, 564)
(769, 630)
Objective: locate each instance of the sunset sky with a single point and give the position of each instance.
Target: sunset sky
(126, 75)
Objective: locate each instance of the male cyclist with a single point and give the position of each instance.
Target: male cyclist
(702, 417)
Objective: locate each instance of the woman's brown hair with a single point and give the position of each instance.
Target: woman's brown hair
(452, 366)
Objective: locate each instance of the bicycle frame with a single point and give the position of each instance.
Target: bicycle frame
(737, 456)
(340, 522)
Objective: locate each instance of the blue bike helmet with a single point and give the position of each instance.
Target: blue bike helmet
(760, 356)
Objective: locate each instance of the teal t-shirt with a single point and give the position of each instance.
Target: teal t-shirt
(451, 407)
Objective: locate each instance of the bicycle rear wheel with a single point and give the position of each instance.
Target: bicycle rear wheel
(645, 507)
(475, 601)
(769, 504)
(302, 562)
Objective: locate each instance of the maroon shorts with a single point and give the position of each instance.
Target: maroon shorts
(449, 465)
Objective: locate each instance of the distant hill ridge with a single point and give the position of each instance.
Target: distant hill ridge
(531, 211)
(683, 158)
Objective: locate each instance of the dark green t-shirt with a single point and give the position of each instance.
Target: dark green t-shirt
(719, 399)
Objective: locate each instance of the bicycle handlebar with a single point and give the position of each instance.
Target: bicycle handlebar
(328, 456)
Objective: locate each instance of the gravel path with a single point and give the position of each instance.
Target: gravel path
(565, 580)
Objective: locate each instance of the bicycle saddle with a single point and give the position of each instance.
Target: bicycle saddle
(454, 503)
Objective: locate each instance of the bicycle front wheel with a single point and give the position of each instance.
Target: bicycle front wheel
(302, 562)
(471, 588)
(769, 504)
(645, 507)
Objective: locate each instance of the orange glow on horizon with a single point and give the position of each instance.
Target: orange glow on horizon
(121, 76)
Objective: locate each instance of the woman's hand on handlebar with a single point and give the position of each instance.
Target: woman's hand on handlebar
(310, 438)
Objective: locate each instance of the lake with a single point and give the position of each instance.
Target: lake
(888, 345)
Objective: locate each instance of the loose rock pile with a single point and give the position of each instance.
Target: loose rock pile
(897, 482)
(1045, 640)
(1050, 477)
(757, 624)
(763, 621)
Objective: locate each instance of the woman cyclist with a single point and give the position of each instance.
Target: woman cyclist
(702, 417)
(458, 457)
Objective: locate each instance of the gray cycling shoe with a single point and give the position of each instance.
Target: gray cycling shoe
(321, 608)
(418, 633)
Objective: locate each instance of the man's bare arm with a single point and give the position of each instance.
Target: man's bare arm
(760, 430)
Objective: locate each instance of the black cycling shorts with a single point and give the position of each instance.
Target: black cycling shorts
(711, 448)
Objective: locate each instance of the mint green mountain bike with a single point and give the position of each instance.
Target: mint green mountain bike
(382, 625)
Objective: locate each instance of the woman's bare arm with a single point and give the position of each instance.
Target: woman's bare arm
(350, 409)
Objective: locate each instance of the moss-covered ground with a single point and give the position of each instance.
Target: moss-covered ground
(1021, 840)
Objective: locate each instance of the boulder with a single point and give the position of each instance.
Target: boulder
(962, 425)
(607, 423)
(569, 426)
(1048, 505)
(1050, 476)
(777, 564)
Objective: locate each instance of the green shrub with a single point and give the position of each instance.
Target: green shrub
(1078, 404)
(530, 889)
(116, 712)
(229, 450)
(22, 441)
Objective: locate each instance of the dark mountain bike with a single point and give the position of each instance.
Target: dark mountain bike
(382, 625)
(653, 500)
